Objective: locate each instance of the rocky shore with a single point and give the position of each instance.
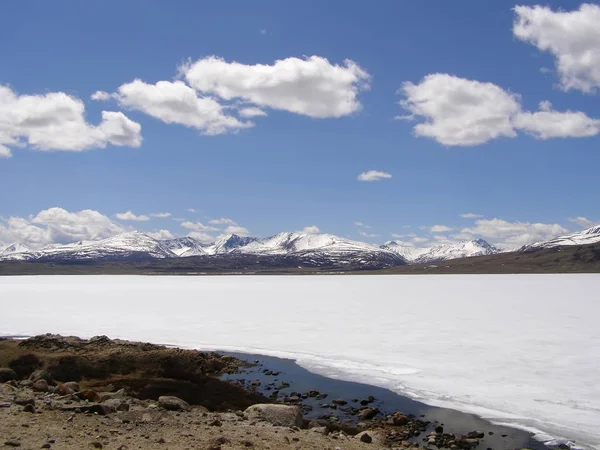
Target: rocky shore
(65, 392)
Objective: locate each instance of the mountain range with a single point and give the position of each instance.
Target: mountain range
(294, 249)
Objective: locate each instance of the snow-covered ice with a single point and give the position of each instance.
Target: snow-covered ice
(519, 349)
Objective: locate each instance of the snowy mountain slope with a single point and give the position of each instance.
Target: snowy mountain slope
(589, 236)
(185, 246)
(133, 245)
(16, 252)
(462, 249)
(227, 243)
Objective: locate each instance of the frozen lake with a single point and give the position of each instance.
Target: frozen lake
(518, 349)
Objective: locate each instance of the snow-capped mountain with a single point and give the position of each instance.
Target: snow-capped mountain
(185, 246)
(126, 246)
(16, 252)
(228, 243)
(443, 252)
(589, 236)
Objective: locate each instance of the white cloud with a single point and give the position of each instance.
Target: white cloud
(236, 229)
(511, 235)
(128, 215)
(175, 102)
(367, 235)
(361, 224)
(192, 210)
(204, 238)
(471, 216)
(197, 226)
(57, 225)
(56, 121)
(161, 215)
(101, 96)
(547, 123)
(373, 175)
(582, 221)
(222, 221)
(161, 234)
(420, 240)
(312, 229)
(312, 86)
(252, 112)
(440, 229)
(262, 31)
(5, 152)
(573, 37)
(402, 236)
(458, 111)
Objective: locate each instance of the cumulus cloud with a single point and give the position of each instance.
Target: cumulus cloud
(175, 102)
(572, 37)
(368, 235)
(202, 237)
(101, 96)
(57, 225)
(311, 86)
(56, 121)
(161, 215)
(236, 229)
(128, 215)
(160, 234)
(252, 112)
(460, 112)
(511, 235)
(5, 152)
(312, 229)
(373, 175)
(471, 216)
(222, 221)
(197, 226)
(439, 229)
(581, 221)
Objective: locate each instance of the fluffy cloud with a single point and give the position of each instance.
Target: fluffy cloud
(236, 229)
(573, 38)
(252, 111)
(581, 221)
(458, 111)
(192, 210)
(511, 235)
(56, 121)
(440, 229)
(402, 236)
(161, 215)
(312, 229)
(200, 236)
(175, 102)
(367, 235)
(197, 226)
(101, 96)
(161, 234)
(471, 216)
(547, 124)
(57, 225)
(128, 215)
(361, 224)
(222, 221)
(312, 86)
(373, 175)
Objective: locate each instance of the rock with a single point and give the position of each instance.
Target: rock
(25, 383)
(7, 374)
(102, 396)
(215, 423)
(439, 429)
(339, 401)
(41, 375)
(23, 400)
(367, 413)
(40, 385)
(172, 403)
(117, 404)
(62, 389)
(91, 396)
(399, 419)
(321, 430)
(97, 444)
(4, 405)
(73, 385)
(278, 415)
(12, 443)
(364, 437)
(476, 435)
(46, 445)
(29, 408)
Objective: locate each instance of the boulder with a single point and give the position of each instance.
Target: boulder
(41, 375)
(173, 403)
(103, 396)
(7, 374)
(364, 437)
(63, 389)
(73, 385)
(40, 385)
(278, 415)
(373, 436)
(400, 419)
(367, 413)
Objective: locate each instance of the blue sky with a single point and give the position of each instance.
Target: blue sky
(526, 175)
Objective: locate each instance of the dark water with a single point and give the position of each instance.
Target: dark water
(301, 380)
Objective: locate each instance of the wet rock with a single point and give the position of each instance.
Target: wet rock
(7, 374)
(399, 419)
(339, 401)
(367, 413)
(278, 415)
(476, 434)
(40, 385)
(173, 403)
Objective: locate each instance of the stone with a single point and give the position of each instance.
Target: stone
(173, 403)
(117, 404)
(46, 445)
(476, 435)
(367, 413)
(41, 375)
(40, 385)
(25, 383)
(339, 401)
(12, 443)
(320, 430)
(7, 374)
(29, 408)
(23, 400)
(399, 419)
(62, 389)
(102, 396)
(97, 444)
(364, 437)
(278, 415)
(73, 385)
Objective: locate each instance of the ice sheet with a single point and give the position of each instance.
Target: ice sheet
(519, 349)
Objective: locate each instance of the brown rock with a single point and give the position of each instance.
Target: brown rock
(399, 419)
(40, 385)
(172, 403)
(278, 415)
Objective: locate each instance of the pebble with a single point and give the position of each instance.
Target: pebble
(12, 443)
